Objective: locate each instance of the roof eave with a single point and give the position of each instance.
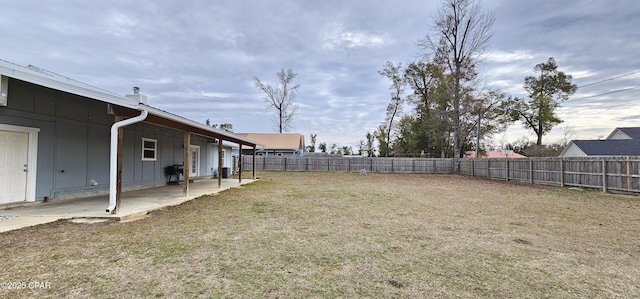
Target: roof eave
(26, 74)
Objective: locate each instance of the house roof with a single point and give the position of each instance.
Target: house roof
(632, 132)
(611, 147)
(623, 141)
(122, 105)
(293, 141)
(493, 155)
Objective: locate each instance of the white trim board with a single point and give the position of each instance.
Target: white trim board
(32, 157)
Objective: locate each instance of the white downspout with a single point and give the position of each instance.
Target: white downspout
(113, 155)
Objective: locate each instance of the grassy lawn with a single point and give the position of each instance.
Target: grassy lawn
(342, 235)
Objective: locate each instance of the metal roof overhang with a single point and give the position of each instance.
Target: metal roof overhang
(120, 105)
(169, 120)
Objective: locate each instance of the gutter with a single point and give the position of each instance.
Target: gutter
(113, 156)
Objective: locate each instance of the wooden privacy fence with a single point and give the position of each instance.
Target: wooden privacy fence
(606, 173)
(349, 164)
(620, 174)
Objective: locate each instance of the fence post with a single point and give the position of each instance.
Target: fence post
(561, 172)
(413, 165)
(507, 174)
(604, 175)
(285, 163)
(628, 173)
(392, 170)
(530, 170)
(349, 170)
(473, 167)
(488, 168)
(328, 165)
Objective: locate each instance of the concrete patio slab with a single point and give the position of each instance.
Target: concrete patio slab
(134, 204)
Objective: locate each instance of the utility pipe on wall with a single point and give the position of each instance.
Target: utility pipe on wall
(113, 155)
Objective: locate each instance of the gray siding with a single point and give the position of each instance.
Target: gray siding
(46, 161)
(73, 145)
(71, 154)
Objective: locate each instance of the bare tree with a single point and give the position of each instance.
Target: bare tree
(492, 116)
(281, 97)
(568, 134)
(462, 31)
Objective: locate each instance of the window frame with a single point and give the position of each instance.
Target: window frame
(153, 150)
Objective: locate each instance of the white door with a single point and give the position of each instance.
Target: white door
(194, 167)
(13, 166)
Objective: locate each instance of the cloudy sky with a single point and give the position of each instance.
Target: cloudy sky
(198, 59)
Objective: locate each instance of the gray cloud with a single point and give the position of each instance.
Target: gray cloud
(198, 58)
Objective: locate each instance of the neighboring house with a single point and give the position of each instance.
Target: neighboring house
(494, 154)
(277, 144)
(55, 139)
(621, 142)
(321, 154)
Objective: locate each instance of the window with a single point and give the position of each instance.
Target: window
(149, 149)
(194, 167)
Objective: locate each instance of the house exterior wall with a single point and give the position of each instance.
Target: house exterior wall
(73, 143)
(211, 157)
(573, 150)
(227, 158)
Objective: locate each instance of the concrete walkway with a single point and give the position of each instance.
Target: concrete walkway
(134, 204)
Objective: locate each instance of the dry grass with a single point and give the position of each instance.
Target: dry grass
(328, 235)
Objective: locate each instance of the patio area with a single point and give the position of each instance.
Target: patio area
(134, 204)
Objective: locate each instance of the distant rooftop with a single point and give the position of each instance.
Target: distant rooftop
(277, 140)
(615, 147)
(633, 132)
(494, 154)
